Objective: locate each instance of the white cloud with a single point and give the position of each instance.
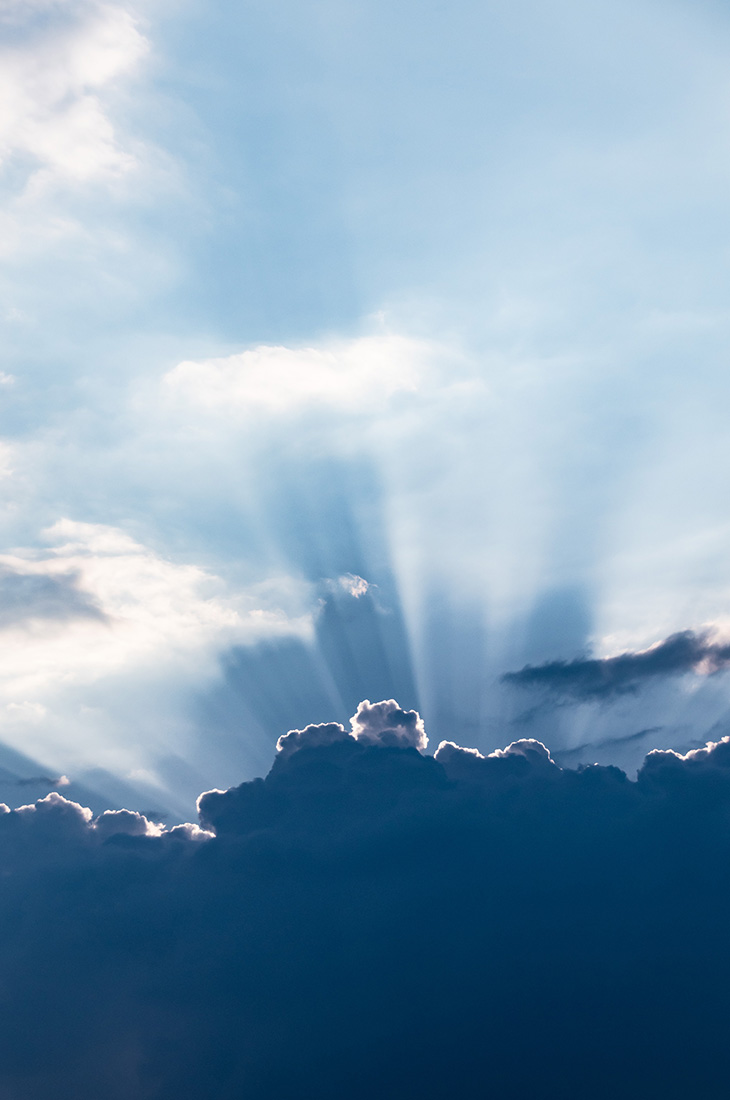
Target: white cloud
(352, 376)
(55, 70)
(353, 585)
(129, 609)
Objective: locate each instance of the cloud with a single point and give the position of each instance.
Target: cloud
(98, 618)
(101, 601)
(604, 678)
(381, 723)
(44, 781)
(32, 597)
(353, 585)
(296, 943)
(58, 62)
(323, 733)
(351, 376)
(124, 823)
(386, 724)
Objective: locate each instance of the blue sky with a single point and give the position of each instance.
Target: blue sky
(356, 350)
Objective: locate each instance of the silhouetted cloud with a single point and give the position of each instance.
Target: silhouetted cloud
(600, 678)
(369, 920)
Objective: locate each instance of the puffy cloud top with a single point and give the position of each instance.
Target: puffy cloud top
(386, 724)
(383, 723)
(326, 733)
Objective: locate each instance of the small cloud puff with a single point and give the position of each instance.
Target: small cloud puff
(386, 724)
(353, 585)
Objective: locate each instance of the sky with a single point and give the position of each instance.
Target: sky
(364, 601)
(358, 351)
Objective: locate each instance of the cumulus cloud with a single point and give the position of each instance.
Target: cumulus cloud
(386, 724)
(124, 823)
(381, 723)
(603, 678)
(351, 376)
(323, 733)
(295, 944)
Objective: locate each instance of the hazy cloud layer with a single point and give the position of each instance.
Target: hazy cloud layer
(96, 611)
(369, 920)
(58, 61)
(108, 602)
(603, 678)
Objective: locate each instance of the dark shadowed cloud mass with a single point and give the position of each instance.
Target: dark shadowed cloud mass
(370, 921)
(588, 678)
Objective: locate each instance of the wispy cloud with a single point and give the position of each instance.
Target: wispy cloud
(56, 66)
(587, 678)
(99, 611)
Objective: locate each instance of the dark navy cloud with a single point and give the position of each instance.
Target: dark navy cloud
(586, 678)
(370, 921)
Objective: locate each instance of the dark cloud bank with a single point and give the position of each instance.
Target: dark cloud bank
(368, 921)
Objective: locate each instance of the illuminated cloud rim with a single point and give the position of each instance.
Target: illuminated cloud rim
(381, 723)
